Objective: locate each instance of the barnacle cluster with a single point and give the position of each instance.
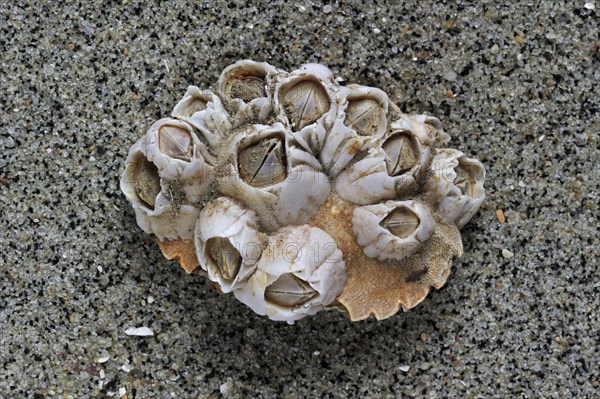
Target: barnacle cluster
(298, 194)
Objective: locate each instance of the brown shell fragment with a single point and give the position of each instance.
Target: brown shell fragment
(182, 250)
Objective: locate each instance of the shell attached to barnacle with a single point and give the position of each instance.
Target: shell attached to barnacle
(298, 194)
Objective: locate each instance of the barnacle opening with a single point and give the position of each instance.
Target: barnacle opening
(175, 142)
(246, 81)
(401, 222)
(147, 182)
(224, 257)
(248, 87)
(289, 291)
(467, 176)
(366, 116)
(401, 153)
(305, 102)
(263, 163)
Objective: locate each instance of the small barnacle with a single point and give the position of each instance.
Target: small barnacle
(228, 242)
(300, 272)
(305, 102)
(364, 115)
(299, 194)
(456, 186)
(263, 163)
(181, 158)
(244, 86)
(204, 111)
(142, 184)
(391, 168)
(468, 174)
(283, 183)
(360, 122)
(245, 80)
(191, 105)
(392, 230)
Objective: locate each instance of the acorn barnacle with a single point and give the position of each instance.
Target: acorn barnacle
(298, 194)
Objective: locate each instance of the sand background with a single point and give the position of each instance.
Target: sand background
(516, 85)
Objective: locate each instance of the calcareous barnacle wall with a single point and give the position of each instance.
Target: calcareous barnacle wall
(299, 194)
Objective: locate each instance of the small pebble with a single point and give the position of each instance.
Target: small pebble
(225, 388)
(500, 216)
(451, 76)
(507, 254)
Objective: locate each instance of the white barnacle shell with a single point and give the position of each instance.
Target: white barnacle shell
(228, 242)
(240, 183)
(144, 189)
(281, 182)
(390, 168)
(300, 273)
(246, 84)
(204, 111)
(392, 230)
(305, 102)
(181, 158)
(457, 182)
(361, 119)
